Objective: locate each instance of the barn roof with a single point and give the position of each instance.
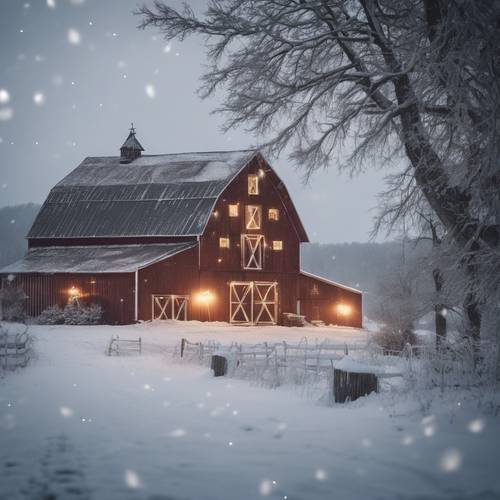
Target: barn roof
(94, 259)
(155, 195)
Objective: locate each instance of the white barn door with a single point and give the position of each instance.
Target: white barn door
(253, 302)
(170, 307)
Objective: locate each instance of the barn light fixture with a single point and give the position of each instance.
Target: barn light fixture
(261, 173)
(205, 297)
(343, 309)
(73, 292)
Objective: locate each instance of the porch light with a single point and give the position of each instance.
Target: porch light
(343, 309)
(205, 297)
(74, 293)
(261, 173)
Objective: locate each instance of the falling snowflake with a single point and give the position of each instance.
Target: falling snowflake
(476, 425)
(51, 4)
(66, 412)
(6, 114)
(74, 37)
(320, 474)
(167, 48)
(265, 487)
(150, 91)
(132, 479)
(4, 96)
(451, 460)
(177, 433)
(39, 98)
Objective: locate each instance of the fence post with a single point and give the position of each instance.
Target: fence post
(183, 345)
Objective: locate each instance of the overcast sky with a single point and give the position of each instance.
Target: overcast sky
(75, 73)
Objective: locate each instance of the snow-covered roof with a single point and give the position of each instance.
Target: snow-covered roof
(329, 282)
(94, 259)
(158, 195)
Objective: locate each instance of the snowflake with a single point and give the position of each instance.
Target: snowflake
(6, 114)
(39, 98)
(132, 479)
(4, 96)
(150, 90)
(74, 37)
(51, 4)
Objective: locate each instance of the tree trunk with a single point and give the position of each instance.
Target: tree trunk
(439, 309)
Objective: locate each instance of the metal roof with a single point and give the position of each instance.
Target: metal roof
(154, 195)
(131, 142)
(94, 259)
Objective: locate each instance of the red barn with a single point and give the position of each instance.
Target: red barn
(207, 236)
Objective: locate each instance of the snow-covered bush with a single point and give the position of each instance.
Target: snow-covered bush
(12, 302)
(390, 338)
(78, 314)
(53, 315)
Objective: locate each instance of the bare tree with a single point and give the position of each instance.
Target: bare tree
(416, 80)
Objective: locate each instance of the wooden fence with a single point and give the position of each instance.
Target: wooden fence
(15, 348)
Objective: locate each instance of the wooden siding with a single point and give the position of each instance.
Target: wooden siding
(177, 275)
(114, 292)
(318, 301)
(222, 225)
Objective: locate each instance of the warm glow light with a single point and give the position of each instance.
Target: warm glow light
(205, 297)
(343, 309)
(261, 173)
(73, 292)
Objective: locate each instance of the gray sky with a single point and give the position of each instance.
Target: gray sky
(75, 73)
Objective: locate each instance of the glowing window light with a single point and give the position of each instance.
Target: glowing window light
(253, 184)
(233, 210)
(343, 309)
(224, 243)
(273, 214)
(277, 245)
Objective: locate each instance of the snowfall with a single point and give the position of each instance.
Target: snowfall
(78, 424)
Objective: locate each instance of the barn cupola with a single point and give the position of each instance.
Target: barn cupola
(131, 148)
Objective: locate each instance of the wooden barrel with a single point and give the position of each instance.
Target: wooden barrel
(218, 365)
(348, 386)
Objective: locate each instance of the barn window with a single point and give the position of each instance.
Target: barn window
(253, 216)
(223, 242)
(277, 245)
(253, 184)
(315, 290)
(252, 251)
(233, 210)
(273, 214)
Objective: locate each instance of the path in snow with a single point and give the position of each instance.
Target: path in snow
(79, 425)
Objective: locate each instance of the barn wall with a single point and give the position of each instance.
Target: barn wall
(318, 300)
(177, 275)
(114, 292)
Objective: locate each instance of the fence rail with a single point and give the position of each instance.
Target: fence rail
(15, 348)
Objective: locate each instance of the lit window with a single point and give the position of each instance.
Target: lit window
(233, 210)
(224, 242)
(253, 216)
(252, 251)
(277, 245)
(273, 214)
(253, 184)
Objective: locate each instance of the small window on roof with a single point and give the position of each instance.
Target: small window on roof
(233, 210)
(253, 184)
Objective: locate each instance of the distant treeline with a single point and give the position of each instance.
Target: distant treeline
(15, 223)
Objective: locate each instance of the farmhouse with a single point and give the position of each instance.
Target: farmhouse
(207, 236)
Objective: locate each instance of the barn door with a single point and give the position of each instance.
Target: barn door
(241, 302)
(170, 307)
(253, 302)
(265, 303)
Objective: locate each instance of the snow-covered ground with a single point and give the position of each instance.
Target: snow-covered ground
(76, 424)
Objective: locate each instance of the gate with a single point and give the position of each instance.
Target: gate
(253, 302)
(169, 307)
